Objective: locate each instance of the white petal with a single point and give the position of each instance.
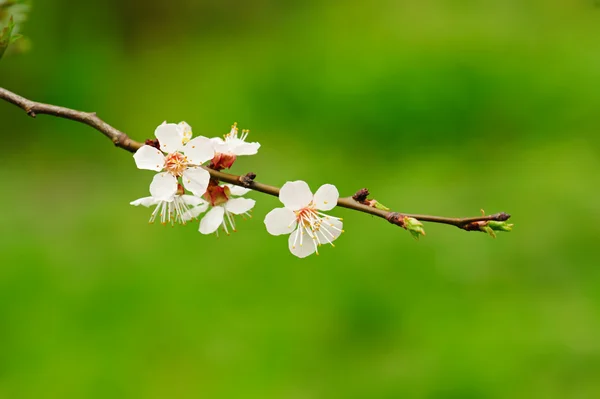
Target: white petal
(243, 148)
(195, 211)
(237, 206)
(163, 187)
(220, 145)
(150, 158)
(237, 190)
(301, 250)
(212, 220)
(330, 230)
(192, 200)
(146, 201)
(185, 131)
(280, 221)
(196, 180)
(295, 195)
(184, 126)
(199, 150)
(326, 197)
(169, 137)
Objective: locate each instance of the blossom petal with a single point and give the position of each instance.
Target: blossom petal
(301, 244)
(149, 158)
(326, 197)
(330, 229)
(243, 148)
(199, 150)
(280, 221)
(146, 201)
(237, 190)
(170, 137)
(295, 195)
(196, 180)
(185, 130)
(237, 206)
(163, 187)
(212, 220)
(192, 200)
(220, 145)
(195, 211)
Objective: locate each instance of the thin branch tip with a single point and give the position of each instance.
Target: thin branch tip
(503, 216)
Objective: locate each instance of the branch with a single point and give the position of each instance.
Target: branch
(358, 202)
(33, 108)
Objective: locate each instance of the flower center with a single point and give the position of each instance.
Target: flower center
(233, 133)
(215, 194)
(176, 163)
(307, 216)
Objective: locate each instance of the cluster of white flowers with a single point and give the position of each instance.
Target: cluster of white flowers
(178, 158)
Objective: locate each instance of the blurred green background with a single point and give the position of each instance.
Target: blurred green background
(437, 106)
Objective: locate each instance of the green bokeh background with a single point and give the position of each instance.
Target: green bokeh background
(440, 107)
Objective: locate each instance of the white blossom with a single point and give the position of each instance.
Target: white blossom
(179, 157)
(176, 210)
(233, 145)
(224, 209)
(301, 217)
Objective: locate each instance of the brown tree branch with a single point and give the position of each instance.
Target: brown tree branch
(33, 109)
(121, 140)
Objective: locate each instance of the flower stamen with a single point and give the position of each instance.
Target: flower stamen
(176, 163)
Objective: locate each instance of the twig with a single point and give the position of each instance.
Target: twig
(33, 108)
(121, 140)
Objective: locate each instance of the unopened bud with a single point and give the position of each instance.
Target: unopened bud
(492, 226)
(500, 226)
(376, 204)
(414, 227)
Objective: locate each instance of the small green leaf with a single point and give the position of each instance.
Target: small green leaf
(5, 36)
(7, 31)
(492, 226)
(379, 205)
(414, 227)
(489, 230)
(500, 226)
(15, 37)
